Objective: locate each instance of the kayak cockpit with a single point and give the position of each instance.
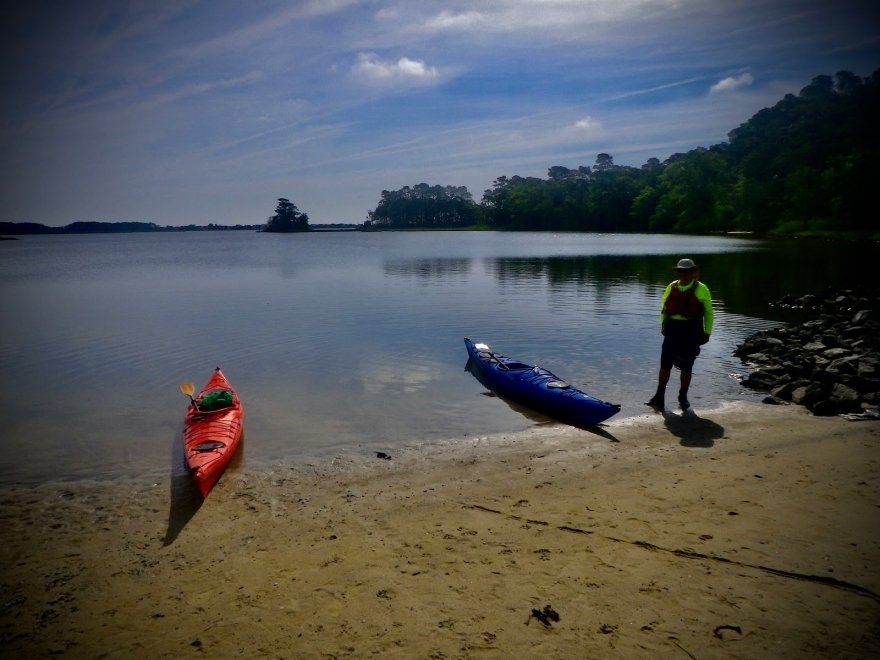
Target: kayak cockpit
(502, 362)
(557, 385)
(211, 445)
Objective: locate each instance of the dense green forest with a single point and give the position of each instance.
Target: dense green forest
(425, 206)
(804, 166)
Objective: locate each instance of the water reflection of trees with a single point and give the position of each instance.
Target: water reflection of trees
(744, 281)
(437, 268)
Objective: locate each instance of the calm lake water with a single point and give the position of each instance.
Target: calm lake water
(350, 341)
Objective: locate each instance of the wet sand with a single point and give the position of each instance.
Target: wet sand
(745, 532)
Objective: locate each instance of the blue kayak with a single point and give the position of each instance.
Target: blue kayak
(537, 388)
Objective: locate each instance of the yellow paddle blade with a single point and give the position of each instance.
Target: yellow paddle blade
(188, 389)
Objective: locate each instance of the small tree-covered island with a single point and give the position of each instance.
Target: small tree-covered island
(287, 218)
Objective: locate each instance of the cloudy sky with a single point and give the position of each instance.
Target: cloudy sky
(198, 111)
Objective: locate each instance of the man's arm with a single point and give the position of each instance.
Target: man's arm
(705, 297)
(663, 308)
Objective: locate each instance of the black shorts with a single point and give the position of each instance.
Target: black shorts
(681, 344)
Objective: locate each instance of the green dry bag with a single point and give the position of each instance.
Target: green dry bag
(216, 400)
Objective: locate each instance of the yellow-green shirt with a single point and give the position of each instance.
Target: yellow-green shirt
(703, 295)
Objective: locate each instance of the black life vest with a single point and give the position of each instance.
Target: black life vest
(683, 303)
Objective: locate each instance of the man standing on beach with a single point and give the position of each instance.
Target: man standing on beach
(685, 322)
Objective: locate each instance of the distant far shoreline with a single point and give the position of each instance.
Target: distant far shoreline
(35, 228)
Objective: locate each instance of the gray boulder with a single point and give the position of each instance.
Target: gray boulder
(829, 363)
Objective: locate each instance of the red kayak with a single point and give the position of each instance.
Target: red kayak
(212, 431)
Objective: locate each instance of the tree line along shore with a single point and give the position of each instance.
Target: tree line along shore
(805, 167)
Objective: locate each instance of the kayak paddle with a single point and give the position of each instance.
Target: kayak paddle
(188, 389)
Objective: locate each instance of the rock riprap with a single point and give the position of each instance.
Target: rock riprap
(829, 363)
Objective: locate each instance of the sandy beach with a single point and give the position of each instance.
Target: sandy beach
(744, 532)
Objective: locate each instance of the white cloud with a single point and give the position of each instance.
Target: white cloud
(372, 68)
(447, 20)
(417, 68)
(263, 28)
(203, 88)
(587, 124)
(581, 17)
(651, 90)
(732, 83)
